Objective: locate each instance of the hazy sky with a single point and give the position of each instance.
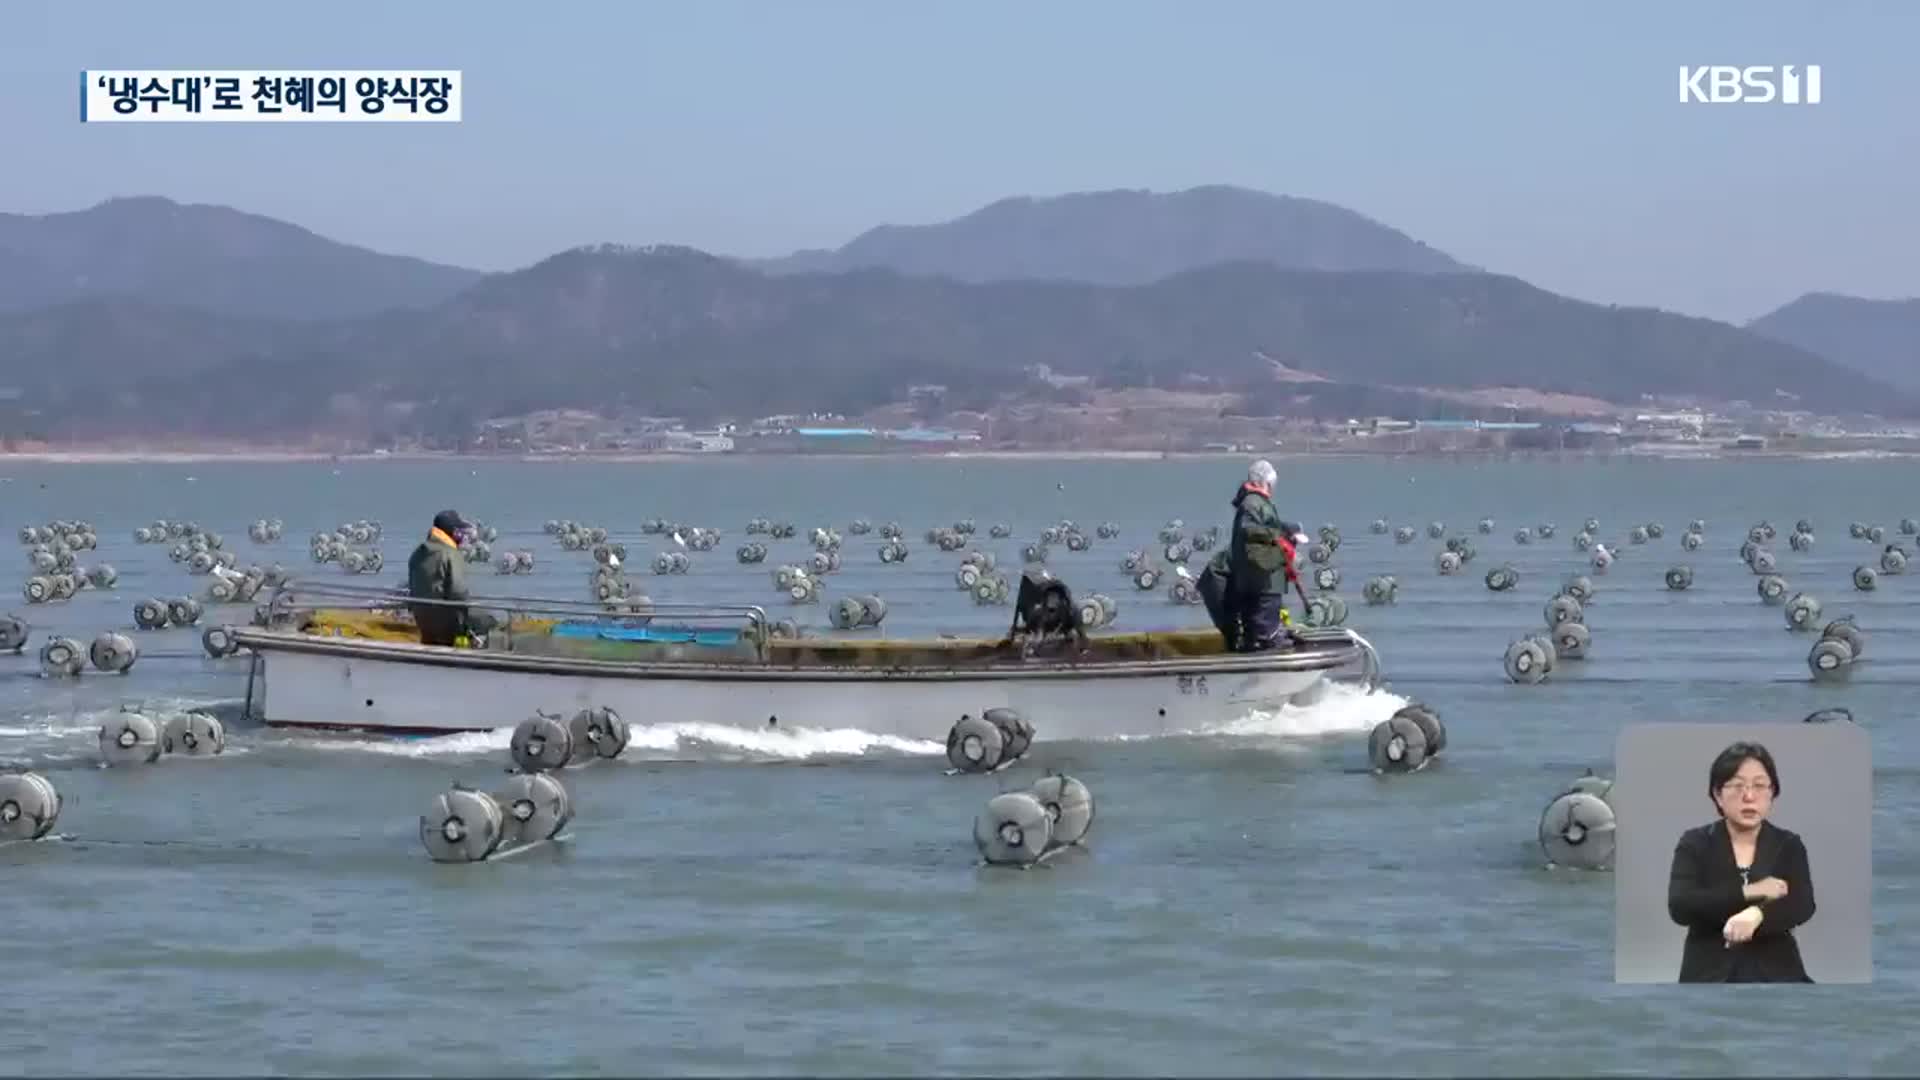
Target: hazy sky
(1539, 139)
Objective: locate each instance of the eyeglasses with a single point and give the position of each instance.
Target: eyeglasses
(1736, 788)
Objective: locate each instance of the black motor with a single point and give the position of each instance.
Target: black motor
(1212, 587)
(1044, 609)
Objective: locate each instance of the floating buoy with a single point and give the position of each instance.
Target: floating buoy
(1691, 541)
(1638, 535)
(1570, 641)
(1013, 829)
(1015, 731)
(1830, 659)
(38, 589)
(598, 733)
(1800, 541)
(541, 743)
(1893, 561)
(1656, 530)
(61, 657)
(1577, 829)
(1843, 629)
(1430, 725)
(462, 825)
(1323, 610)
(1502, 578)
(1762, 562)
(1523, 536)
(1680, 578)
(193, 734)
(1381, 590)
(1864, 578)
(13, 633)
(1802, 612)
(29, 806)
(1486, 526)
(1069, 806)
(1379, 527)
(1447, 562)
(1579, 587)
(1397, 744)
(1545, 532)
(184, 611)
(113, 653)
(1582, 541)
(128, 738)
(1526, 661)
(1772, 589)
(1564, 609)
(975, 745)
(534, 807)
(1876, 534)
(1326, 578)
(1404, 535)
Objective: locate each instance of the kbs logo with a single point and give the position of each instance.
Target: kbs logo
(1787, 84)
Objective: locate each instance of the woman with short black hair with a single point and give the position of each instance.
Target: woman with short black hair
(1741, 884)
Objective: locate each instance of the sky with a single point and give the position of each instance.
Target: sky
(1542, 140)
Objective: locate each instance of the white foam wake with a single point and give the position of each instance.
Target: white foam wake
(1345, 710)
(695, 741)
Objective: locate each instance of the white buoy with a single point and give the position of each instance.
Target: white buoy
(462, 825)
(193, 734)
(29, 806)
(1013, 830)
(113, 653)
(1577, 829)
(128, 738)
(541, 743)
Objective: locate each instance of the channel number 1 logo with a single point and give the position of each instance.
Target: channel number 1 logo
(1721, 84)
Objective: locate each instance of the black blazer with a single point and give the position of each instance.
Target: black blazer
(1704, 891)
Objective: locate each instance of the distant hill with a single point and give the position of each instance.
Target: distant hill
(210, 258)
(1879, 338)
(678, 332)
(1129, 238)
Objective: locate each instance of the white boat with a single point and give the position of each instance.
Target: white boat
(345, 658)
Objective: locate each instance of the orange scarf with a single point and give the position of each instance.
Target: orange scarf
(437, 533)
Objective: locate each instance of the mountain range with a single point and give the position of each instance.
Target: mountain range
(201, 319)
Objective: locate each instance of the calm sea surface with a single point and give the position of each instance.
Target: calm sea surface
(810, 902)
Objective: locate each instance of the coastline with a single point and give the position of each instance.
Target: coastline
(269, 457)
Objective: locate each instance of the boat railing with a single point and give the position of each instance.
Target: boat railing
(1369, 656)
(299, 596)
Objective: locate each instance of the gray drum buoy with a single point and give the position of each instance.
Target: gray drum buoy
(1380, 590)
(1802, 612)
(1486, 526)
(1430, 725)
(1580, 587)
(1893, 561)
(1638, 535)
(29, 806)
(1397, 744)
(1447, 562)
(1404, 534)
(1523, 536)
(1876, 534)
(462, 826)
(1680, 578)
(113, 653)
(975, 745)
(540, 743)
(534, 807)
(1015, 732)
(847, 613)
(1843, 629)
(218, 641)
(1570, 641)
(150, 614)
(13, 633)
(1864, 578)
(598, 733)
(1762, 561)
(1013, 830)
(1502, 578)
(1379, 527)
(129, 738)
(1830, 659)
(1691, 541)
(185, 611)
(62, 657)
(1772, 589)
(875, 609)
(1326, 578)
(1800, 541)
(1564, 609)
(38, 589)
(1829, 716)
(1325, 610)
(1577, 830)
(193, 734)
(1069, 806)
(1526, 661)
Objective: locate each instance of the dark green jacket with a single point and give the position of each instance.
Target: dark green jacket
(1259, 564)
(437, 571)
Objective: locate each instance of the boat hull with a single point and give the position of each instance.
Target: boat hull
(412, 691)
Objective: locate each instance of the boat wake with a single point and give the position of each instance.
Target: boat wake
(1345, 710)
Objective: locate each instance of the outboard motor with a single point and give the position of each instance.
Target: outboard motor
(1044, 610)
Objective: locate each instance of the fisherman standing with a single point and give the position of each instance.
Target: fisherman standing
(1260, 564)
(437, 570)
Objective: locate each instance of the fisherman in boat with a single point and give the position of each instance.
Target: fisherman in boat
(1044, 612)
(1261, 565)
(438, 571)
